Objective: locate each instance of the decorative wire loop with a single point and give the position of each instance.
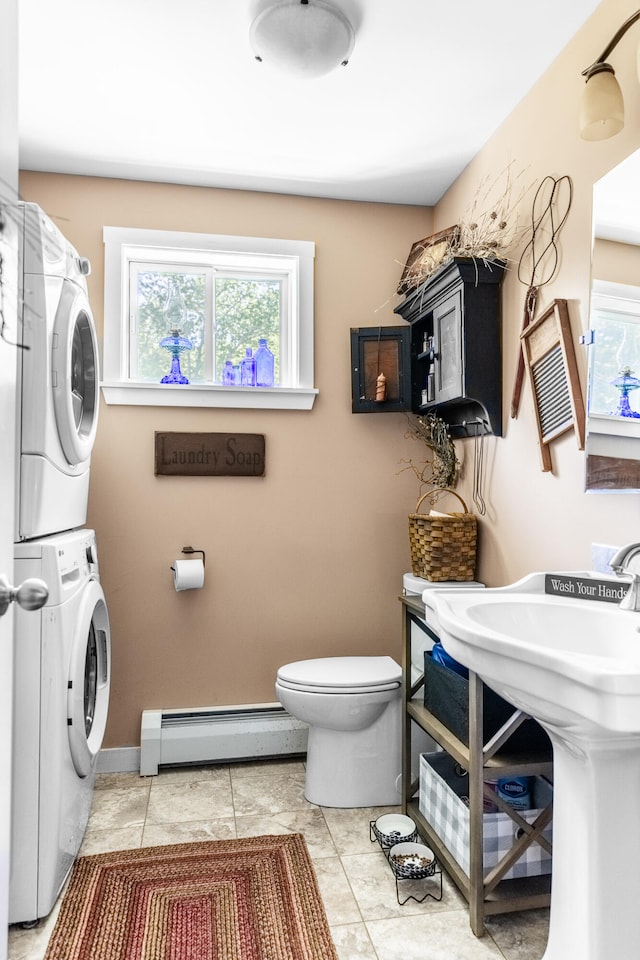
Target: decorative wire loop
(542, 270)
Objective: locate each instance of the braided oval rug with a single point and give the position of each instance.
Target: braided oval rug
(250, 899)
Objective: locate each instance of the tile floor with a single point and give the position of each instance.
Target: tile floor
(357, 886)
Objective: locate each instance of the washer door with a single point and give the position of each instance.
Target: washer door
(89, 679)
(74, 374)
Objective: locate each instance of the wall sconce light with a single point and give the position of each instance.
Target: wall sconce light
(304, 38)
(602, 109)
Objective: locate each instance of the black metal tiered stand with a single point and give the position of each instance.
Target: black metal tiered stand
(406, 871)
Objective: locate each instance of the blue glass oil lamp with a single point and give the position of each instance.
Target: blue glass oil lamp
(176, 344)
(175, 314)
(625, 383)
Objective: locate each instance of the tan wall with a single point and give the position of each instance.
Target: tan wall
(308, 561)
(616, 262)
(304, 562)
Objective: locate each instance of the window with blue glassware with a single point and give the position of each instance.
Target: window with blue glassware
(217, 328)
(201, 313)
(614, 361)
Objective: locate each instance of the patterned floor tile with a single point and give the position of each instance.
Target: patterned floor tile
(263, 796)
(172, 802)
(438, 936)
(309, 822)
(191, 831)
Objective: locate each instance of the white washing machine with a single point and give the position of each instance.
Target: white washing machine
(62, 671)
(57, 381)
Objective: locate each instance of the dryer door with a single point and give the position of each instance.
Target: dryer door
(74, 374)
(89, 679)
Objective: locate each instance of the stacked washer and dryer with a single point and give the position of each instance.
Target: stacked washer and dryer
(62, 652)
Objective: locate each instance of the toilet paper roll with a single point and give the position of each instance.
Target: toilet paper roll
(188, 574)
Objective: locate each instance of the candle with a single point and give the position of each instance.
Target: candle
(381, 388)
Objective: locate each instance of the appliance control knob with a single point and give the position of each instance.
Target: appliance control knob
(30, 595)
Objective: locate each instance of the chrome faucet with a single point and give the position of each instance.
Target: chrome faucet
(620, 563)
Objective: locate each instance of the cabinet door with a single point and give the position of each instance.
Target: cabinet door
(376, 351)
(447, 327)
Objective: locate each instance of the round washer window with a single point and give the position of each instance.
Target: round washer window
(74, 362)
(89, 679)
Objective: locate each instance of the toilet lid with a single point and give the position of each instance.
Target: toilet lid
(343, 673)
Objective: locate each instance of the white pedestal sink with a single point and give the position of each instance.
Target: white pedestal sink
(574, 665)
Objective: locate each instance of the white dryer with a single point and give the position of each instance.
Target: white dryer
(57, 378)
(62, 662)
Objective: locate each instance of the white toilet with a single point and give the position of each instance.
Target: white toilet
(353, 706)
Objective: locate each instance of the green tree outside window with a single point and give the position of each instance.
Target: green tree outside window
(244, 311)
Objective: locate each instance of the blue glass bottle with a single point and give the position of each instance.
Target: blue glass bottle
(264, 364)
(228, 376)
(248, 369)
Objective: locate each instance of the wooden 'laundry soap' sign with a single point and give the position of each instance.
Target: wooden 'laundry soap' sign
(209, 455)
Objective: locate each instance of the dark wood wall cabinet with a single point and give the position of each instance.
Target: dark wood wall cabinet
(448, 361)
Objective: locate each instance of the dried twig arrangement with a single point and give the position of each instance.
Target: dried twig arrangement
(489, 231)
(443, 469)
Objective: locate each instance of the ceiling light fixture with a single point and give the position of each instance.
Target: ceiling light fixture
(602, 110)
(304, 38)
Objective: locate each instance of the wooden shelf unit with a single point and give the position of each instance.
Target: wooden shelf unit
(486, 895)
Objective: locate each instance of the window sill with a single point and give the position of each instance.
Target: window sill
(208, 395)
(614, 426)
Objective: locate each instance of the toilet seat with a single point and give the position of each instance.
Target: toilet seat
(346, 675)
(326, 689)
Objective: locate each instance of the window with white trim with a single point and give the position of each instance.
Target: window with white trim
(215, 297)
(614, 361)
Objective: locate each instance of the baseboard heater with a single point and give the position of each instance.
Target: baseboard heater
(256, 731)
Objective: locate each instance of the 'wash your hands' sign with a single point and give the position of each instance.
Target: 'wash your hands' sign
(585, 588)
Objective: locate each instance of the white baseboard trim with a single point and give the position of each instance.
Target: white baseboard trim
(119, 760)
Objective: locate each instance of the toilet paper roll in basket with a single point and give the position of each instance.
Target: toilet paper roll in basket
(188, 574)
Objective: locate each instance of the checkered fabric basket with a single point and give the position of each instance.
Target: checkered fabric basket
(449, 816)
(443, 547)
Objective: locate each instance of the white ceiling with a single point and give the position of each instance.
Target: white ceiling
(170, 91)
